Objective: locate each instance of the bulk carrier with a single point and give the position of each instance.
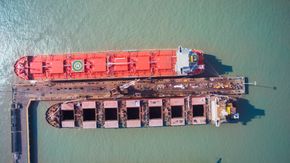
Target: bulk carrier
(111, 64)
(152, 112)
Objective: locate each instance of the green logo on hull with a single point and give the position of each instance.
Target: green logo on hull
(78, 66)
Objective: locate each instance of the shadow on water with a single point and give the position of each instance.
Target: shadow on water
(247, 111)
(251, 84)
(214, 66)
(246, 85)
(33, 131)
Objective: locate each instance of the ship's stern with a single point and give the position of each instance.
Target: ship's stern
(189, 61)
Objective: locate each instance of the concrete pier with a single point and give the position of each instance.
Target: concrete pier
(25, 93)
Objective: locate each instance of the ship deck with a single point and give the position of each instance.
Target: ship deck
(25, 93)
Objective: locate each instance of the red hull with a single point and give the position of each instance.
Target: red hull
(102, 65)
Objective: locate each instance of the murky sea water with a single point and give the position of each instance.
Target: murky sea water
(251, 37)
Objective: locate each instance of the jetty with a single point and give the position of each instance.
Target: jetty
(23, 94)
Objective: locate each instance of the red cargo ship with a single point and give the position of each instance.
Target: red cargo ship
(111, 64)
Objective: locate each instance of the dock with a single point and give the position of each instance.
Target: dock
(25, 93)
